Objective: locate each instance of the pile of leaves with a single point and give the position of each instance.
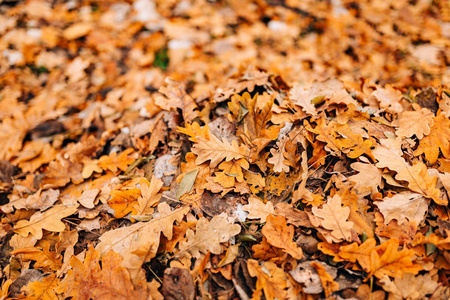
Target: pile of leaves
(224, 150)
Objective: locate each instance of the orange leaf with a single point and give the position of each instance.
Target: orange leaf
(89, 280)
(280, 235)
(272, 282)
(124, 202)
(114, 162)
(387, 260)
(334, 217)
(438, 139)
(328, 284)
(361, 253)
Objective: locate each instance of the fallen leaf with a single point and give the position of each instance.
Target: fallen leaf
(90, 280)
(49, 220)
(402, 207)
(258, 210)
(280, 235)
(272, 281)
(334, 217)
(209, 235)
(216, 150)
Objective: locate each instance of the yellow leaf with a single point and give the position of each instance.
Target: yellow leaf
(193, 130)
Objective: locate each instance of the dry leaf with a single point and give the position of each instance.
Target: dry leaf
(209, 235)
(216, 150)
(402, 207)
(90, 280)
(49, 220)
(280, 235)
(272, 281)
(258, 210)
(334, 217)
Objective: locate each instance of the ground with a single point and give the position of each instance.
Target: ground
(224, 149)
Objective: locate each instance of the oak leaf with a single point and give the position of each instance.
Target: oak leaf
(271, 279)
(43, 289)
(403, 206)
(265, 251)
(87, 199)
(45, 259)
(389, 155)
(421, 182)
(328, 283)
(416, 122)
(410, 287)
(90, 280)
(258, 210)
(193, 130)
(138, 243)
(216, 150)
(280, 235)
(209, 235)
(114, 162)
(387, 260)
(438, 139)
(176, 97)
(367, 180)
(124, 202)
(35, 154)
(277, 160)
(358, 253)
(49, 220)
(60, 172)
(90, 166)
(150, 195)
(334, 217)
(40, 200)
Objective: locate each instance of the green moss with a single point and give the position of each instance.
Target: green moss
(161, 59)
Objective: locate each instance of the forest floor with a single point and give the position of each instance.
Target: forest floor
(278, 149)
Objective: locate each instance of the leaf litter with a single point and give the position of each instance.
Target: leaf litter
(224, 150)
